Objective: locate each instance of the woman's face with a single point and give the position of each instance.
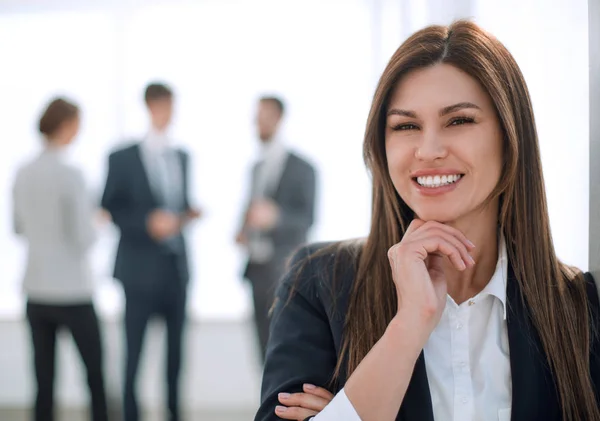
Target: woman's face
(443, 143)
(71, 128)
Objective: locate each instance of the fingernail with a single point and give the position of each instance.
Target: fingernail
(472, 260)
(279, 408)
(463, 266)
(310, 386)
(471, 244)
(284, 395)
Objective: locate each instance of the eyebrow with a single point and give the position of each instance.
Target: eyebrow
(446, 110)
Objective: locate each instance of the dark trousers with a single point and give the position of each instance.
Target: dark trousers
(168, 302)
(81, 321)
(265, 279)
(262, 295)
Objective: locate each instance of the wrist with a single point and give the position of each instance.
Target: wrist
(411, 332)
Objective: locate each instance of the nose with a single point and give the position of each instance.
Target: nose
(431, 147)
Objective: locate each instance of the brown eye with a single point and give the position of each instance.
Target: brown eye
(459, 121)
(405, 126)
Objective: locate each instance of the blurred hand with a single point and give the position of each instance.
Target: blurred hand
(262, 215)
(102, 217)
(241, 239)
(299, 406)
(163, 224)
(192, 214)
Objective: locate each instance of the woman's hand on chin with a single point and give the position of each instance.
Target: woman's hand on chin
(418, 273)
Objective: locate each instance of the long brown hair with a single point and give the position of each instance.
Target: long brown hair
(554, 292)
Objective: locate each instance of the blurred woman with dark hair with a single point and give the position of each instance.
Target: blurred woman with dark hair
(54, 213)
(455, 307)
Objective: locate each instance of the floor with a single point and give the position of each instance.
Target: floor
(76, 415)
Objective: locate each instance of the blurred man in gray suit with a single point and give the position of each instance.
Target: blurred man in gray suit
(279, 213)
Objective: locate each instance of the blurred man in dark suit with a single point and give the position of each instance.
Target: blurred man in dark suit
(146, 195)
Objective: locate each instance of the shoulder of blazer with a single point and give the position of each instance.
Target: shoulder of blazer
(592, 290)
(122, 152)
(323, 274)
(184, 156)
(297, 159)
(593, 305)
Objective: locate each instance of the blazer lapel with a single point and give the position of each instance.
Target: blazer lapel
(184, 179)
(532, 384)
(276, 187)
(417, 405)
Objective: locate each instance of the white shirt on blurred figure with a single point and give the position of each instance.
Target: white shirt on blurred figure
(163, 168)
(267, 175)
(270, 167)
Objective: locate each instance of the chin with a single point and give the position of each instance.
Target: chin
(443, 216)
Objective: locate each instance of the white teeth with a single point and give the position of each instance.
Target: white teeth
(438, 181)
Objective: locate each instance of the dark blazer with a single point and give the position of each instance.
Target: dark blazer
(295, 196)
(129, 199)
(306, 335)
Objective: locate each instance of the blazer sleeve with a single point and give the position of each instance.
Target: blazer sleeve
(301, 347)
(130, 220)
(299, 214)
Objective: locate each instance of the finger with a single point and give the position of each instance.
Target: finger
(414, 225)
(294, 413)
(318, 391)
(437, 232)
(422, 248)
(448, 229)
(304, 400)
(431, 242)
(439, 245)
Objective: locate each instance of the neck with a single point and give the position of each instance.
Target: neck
(157, 137)
(482, 230)
(56, 143)
(158, 131)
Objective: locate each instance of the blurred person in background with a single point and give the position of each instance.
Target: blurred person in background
(54, 213)
(146, 194)
(279, 213)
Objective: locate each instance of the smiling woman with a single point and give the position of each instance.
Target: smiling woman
(455, 307)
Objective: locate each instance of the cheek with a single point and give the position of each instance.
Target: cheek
(398, 162)
(398, 159)
(488, 165)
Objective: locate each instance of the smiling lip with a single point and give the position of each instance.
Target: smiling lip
(435, 182)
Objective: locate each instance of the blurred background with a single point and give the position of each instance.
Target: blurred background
(323, 58)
